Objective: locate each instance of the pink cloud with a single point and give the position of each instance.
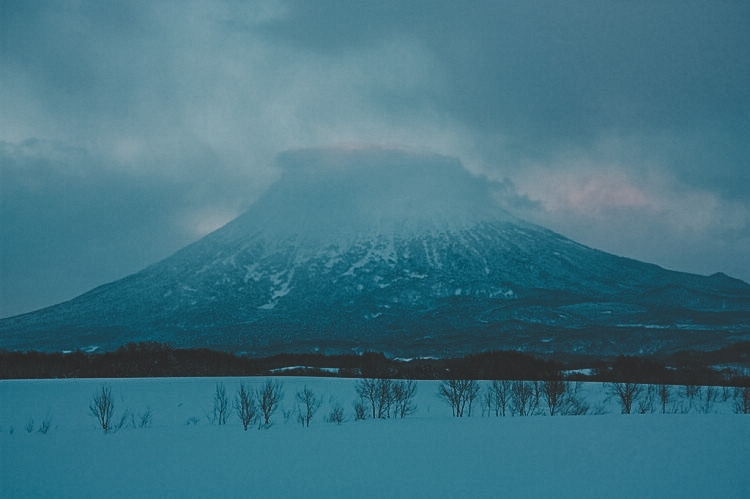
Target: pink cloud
(585, 191)
(601, 193)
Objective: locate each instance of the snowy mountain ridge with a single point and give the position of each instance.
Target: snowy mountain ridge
(407, 257)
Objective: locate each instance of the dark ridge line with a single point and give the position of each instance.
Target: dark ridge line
(729, 366)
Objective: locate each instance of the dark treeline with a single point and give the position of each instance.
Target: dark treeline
(160, 360)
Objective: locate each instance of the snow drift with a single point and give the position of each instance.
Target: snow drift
(429, 454)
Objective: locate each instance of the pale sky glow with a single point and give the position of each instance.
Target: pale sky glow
(127, 130)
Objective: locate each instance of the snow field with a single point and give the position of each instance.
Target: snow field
(429, 454)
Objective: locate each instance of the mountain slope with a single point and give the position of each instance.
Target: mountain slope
(393, 252)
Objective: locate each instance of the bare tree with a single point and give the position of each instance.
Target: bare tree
(537, 386)
(452, 392)
(647, 401)
(269, 396)
(522, 398)
(245, 406)
(102, 407)
(336, 414)
(563, 397)
(45, 425)
(498, 396)
(123, 421)
(360, 410)
(627, 393)
(665, 393)
(691, 393)
(459, 394)
(142, 420)
(307, 405)
(472, 393)
(711, 394)
(574, 403)
(221, 407)
(742, 399)
(488, 402)
(726, 393)
(377, 395)
(403, 393)
(384, 397)
(553, 393)
(367, 389)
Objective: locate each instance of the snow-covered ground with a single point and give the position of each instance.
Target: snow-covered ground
(428, 454)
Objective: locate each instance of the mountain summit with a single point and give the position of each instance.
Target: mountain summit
(396, 252)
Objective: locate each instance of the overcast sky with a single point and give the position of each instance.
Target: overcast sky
(130, 129)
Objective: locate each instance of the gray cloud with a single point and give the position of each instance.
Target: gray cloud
(622, 124)
(544, 66)
(70, 224)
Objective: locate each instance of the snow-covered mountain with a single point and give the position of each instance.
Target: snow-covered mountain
(399, 253)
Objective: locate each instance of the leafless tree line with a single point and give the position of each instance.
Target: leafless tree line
(258, 406)
(383, 398)
(379, 398)
(460, 395)
(742, 399)
(645, 399)
(558, 396)
(514, 397)
(250, 406)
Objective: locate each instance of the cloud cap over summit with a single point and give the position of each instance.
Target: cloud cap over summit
(367, 189)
